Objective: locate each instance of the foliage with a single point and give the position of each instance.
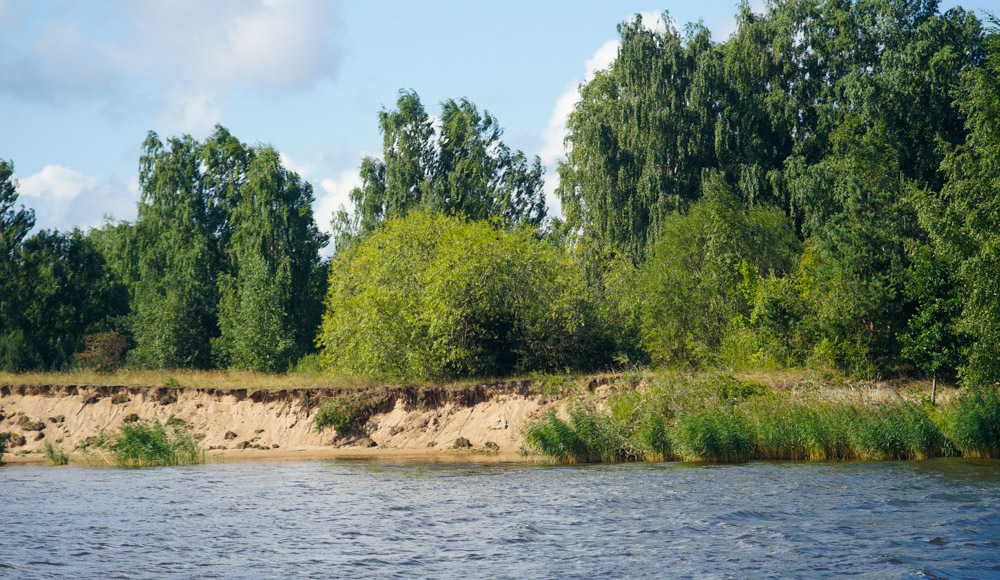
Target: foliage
(339, 412)
(431, 296)
(270, 305)
(152, 443)
(962, 217)
(973, 423)
(4, 440)
(588, 437)
(690, 287)
(460, 168)
(56, 455)
(102, 351)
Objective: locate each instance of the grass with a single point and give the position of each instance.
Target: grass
(56, 454)
(4, 437)
(184, 379)
(152, 443)
(722, 419)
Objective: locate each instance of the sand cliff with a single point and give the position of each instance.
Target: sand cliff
(234, 423)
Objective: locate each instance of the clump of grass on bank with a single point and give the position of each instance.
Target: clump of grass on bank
(56, 455)
(151, 443)
(4, 438)
(722, 420)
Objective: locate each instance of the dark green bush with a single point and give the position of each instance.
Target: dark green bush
(339, 412)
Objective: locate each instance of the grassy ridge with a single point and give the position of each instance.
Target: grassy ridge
(722, 420)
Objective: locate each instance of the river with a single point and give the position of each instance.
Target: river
(375, 519)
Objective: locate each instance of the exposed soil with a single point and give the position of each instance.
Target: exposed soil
(239, 423)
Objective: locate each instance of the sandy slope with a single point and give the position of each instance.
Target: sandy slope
(236, 423)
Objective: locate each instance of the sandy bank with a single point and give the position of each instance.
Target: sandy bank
(236, 424)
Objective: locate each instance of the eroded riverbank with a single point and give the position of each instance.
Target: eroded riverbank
(243, 423)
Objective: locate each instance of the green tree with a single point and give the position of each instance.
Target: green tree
(640, 137)
(461, 168)
(963, 217)
(690, 286)
(433, 296)
(272, 302)
(178, 256)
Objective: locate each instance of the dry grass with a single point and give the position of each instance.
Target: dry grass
(185, 379)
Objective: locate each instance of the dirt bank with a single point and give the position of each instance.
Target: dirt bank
(235, 423)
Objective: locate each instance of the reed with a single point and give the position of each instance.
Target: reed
(589, 436)
(151, 443)
(56, 455)
(973, 423)
(717, 420)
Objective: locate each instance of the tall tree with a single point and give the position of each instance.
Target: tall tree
(462, 167)
(963, 218)
(640, 136)
(271, 304)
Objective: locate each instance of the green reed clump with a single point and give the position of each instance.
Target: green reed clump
(714, 434)
(973, 423)
(4, 438)
(589, 436)
(339, 412)
(56, 455)
(151, 443)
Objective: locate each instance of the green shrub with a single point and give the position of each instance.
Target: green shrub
(339, 412)
(151, 443)
(56, 454)
(4, 438)
(973, 423)
(436, 297)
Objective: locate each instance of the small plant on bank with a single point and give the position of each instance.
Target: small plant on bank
(56, 455)
(339, 412)
(151, 443)
(4, 438)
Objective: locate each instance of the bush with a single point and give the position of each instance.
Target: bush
(56, 454)
(151, 443)
(4, 438)
(340, 413)
(436, 297)
(103, 351)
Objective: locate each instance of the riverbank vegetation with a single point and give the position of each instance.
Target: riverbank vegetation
(819, 190)
(720, 419)
(152, 443)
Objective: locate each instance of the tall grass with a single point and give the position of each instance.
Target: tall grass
(588, 437)
(151, 443)
(715, 420)
(973, 423)
(56, 455)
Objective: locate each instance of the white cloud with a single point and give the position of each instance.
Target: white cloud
(189, 112)
(336, 193)
(63, 198)
(554, 134)
(56, 182)
(280, 45)
(302, 169)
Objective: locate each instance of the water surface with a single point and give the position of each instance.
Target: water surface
(369, 519)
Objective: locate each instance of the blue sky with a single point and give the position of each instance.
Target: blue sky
(84, 81)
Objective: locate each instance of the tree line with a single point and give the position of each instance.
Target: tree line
(821, 188)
